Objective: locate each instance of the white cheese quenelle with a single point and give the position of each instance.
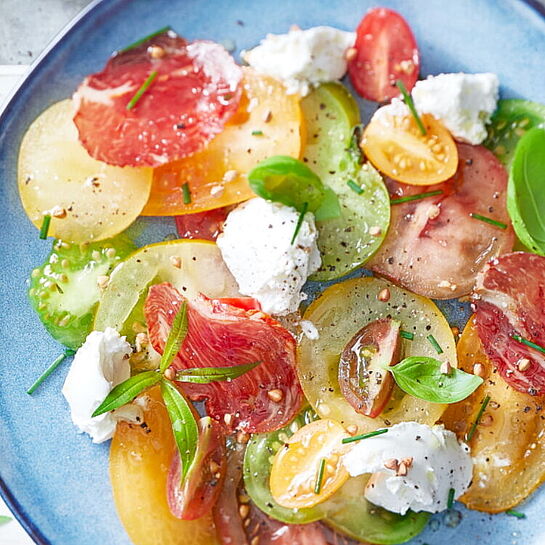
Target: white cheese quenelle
(302, 59)
(256, 247)
(99, 365)
(413, 466)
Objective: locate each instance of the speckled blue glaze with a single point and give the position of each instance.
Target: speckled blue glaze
(56, 480)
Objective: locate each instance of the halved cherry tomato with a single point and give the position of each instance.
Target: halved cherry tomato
(396, 147)
(267, 119)
(386, 51)
(296, 467)
(202, 225)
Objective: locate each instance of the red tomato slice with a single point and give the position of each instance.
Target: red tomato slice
(510, 300)
(386, 51)
(434, 247)
(196, 90)
(204, 479)
(202, 225)
(221, 335)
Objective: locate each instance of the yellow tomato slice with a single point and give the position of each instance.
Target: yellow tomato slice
(397, 148)
(508, 447)
(268, 122)
(296, 467)
(139, 463)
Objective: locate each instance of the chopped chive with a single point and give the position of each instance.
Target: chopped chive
(484, 404)
(319, 476)
(257, 133)
(488, 220)
(522, 340)
(432, 340)
(406, 335)
(187, 193)
(143, 88)
(144, 39)
(514, 513)
(408, 100)
(299, 222)
(354, 187)
(450, 500)
(363, 436)
(50, 369)
(44, 230)
(4, 519)
(416, 197)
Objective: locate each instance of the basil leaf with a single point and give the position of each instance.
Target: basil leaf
(526, 194)
(4, 519)
(184, 425)
(176, 337)
(126, 391)
(288, 181)
(421, 377)
(330, 208)
(204, 375)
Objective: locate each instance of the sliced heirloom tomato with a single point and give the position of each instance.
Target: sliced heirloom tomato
(267, 119)
(190, 91)
(509, 299)
(507, 447)
(219, 335)
(195, 497)
(140, 456)
(386, 51)
(86, 199)
(338, 314)
(202, 225)
(434, 247)
(397, 148)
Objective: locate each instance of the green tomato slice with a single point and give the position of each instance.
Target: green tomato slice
(191, 266)
(338, 314)
(65, 290)
(257, 471)
(348, 240)
(511, 120)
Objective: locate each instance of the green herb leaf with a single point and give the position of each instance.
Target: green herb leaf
(126, 391)
(514, 513)
(67, 353)
(408, 100)
(319, 476)
(300, 220)
(186, 192)
(410, 198)
(433, 341)
(526, 190)
(176, 337)
(406, 335)
(354, 151)
(257, 133)
(134, 45)
(421, 377)
(288, 181)
(531, 344)
(347, 440)
(4, 519)
(184, 425)
(473, 428)
(143, 88)
(330, 208)
(44, 230)
(355, 187)
(488, 220)
(450, 499)
(205, 375)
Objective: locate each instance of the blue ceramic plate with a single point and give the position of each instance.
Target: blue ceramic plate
(55, 480)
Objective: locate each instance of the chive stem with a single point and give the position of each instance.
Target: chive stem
(488, 220)
(186, 193)
(450, 500)
(299, 222)
(363, 436)
(50, 369)
(473, 429)
(433, 341)
(134, 45)
(535, 346)
(257, 133)
(514, 513)
(408, 100)
(319, 476)
(354, 187)
(44, 230)
(416, 197)
(143, 88)
(406, 335)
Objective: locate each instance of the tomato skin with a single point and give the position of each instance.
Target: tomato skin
(202, 225)
(386, 51)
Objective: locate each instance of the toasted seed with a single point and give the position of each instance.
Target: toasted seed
(375, 231)
(58, 212)
(230, 175)
(408, 461)
(214, 466)
(487, 420)
(350, 54)
(523, 364)
(352, 429)
(170, 374)
(244, 511)
(478, 369)
(103, 281)
(156, 51)
(228, 418)
(392, 464)
(176, 261)
(401, 470)
(275, 395)
(445, 368)
(384, 295)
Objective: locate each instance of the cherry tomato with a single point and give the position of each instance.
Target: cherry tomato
(396, 147)
(386, 51)
(296, 476)
(202, 225)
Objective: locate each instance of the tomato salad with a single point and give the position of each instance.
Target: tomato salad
(238, 412)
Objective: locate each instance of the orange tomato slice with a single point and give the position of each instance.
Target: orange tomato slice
(296, 466)
(139, 462)
(268, 122)
(396, 147)
(508, 448)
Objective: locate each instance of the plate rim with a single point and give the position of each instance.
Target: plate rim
(22, 517)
